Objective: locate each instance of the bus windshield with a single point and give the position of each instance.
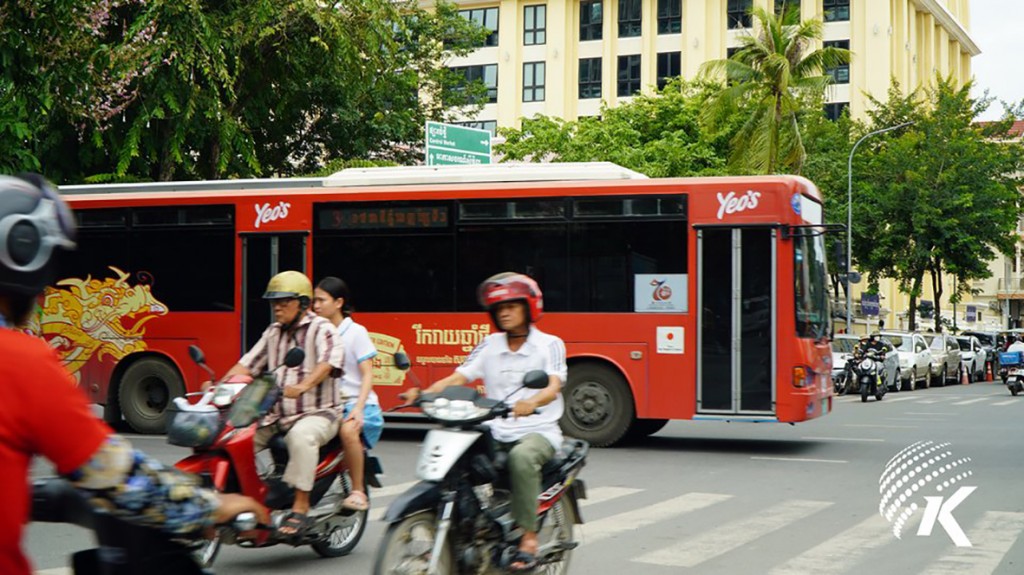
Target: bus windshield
(812, 307)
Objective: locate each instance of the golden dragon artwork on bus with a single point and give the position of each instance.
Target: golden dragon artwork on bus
(93, 318)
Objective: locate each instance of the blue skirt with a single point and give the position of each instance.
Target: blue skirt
(373, 423)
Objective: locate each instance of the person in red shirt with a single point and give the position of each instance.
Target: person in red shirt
(42, 412)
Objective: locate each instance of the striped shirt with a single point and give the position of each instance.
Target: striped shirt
(318, 338)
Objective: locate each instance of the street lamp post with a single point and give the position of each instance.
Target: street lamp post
(849, 219)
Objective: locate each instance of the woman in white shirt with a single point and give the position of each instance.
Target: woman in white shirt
(363, 421)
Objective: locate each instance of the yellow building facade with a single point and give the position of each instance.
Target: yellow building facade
(566, 57)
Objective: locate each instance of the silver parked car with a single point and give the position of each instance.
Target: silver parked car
(973, 356)
(945, 357)
(915, 359)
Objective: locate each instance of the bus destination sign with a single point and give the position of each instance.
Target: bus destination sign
(397, 218)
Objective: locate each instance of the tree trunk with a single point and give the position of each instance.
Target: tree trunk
(166, 161)
(912, 311)
(211, 170)
(936, 273)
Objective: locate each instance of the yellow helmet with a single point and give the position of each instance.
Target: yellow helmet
(288, 285)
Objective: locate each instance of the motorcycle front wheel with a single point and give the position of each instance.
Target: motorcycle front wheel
(406, 547)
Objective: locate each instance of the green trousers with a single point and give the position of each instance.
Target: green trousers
(526, 457)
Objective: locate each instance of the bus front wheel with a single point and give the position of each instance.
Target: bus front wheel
(146, 390)
(598, 405)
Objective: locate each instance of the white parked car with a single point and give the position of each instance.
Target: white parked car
(973, 354)
(915, 359)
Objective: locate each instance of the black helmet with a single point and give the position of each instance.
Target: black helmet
(34, 222)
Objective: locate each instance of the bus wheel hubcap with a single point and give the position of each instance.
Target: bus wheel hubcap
(590, 403)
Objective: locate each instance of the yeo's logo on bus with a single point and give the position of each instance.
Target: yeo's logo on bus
(731, 203)
(265, 213)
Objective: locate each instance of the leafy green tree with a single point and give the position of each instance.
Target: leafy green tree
(941, 197)
(113, 90)
(659, 135)
(767, 75)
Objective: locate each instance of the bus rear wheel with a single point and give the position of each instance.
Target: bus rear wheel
(598, 405)
(146, 390)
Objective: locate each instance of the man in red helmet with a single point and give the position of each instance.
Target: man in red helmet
(515, 302)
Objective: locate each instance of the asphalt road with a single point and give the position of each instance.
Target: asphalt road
(702, 497)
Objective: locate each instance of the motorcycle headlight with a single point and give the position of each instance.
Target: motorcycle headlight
(453, 410)
(867, 364)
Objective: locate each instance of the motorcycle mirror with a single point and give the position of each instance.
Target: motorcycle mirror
(294, 357)
(402, 360)
(196, 354)
(535, 379)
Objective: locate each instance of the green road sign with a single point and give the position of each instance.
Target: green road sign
(448, 144)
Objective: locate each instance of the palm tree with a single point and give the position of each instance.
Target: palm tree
(768, 75)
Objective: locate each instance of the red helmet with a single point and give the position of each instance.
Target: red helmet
(510, 286)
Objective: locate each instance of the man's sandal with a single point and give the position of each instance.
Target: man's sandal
(356, 501)
(296, 523)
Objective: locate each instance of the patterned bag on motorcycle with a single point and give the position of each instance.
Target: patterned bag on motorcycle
(192, 425)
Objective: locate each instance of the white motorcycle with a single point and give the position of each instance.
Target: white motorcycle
(457, 518)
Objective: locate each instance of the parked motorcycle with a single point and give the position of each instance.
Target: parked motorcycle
(867, 372)
(220, 428)
(1011, 371)
(457, 518)
(122, 548)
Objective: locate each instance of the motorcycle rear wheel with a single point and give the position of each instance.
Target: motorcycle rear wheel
(346, 528)
(558, 526)
(405, 548)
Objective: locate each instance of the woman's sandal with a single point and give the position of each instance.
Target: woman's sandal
(356, 501)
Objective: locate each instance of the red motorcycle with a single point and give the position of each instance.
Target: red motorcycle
(220, 428)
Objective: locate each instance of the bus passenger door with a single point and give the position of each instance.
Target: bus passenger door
(263, 256)
(736, 324)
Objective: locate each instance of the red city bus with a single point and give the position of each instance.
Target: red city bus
(689, 298)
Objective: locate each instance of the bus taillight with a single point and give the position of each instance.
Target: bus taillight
(803, 376)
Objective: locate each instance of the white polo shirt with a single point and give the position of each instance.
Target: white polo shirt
(502, 371)
(358, 348)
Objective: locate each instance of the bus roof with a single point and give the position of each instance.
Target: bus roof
(387, 176)
(481, 173)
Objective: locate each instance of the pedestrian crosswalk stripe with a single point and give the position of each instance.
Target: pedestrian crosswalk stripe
(594, 531)
(720, 540)
(1007, 402)
(968, 401)
(992, 537)
(601, 494)
(830, 557)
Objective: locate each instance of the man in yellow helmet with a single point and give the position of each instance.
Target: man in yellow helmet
(311, 404)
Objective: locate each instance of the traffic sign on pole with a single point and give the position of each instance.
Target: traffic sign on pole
(448, 144)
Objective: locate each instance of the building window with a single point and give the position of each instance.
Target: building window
(489, 125)
(730, 52)
(670, 16)
(590, 78)
(629, 75)
(738, 14)
(533, 82)
(836, 10)
(839, 74)
(835, 109)
(486, 17)
(783, 6)
(487, 73)
(630, 18)
(535, 25)
(669, 66)
(591, 20)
